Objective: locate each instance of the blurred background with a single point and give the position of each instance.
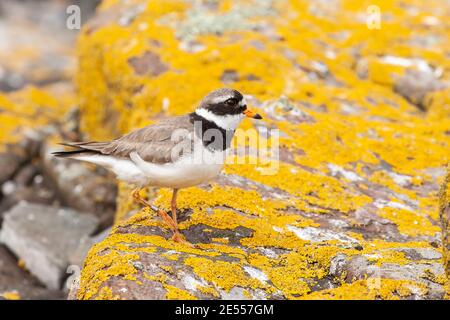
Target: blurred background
(37, 50)
(36, 47)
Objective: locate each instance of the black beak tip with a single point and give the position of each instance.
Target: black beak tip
(258, 116)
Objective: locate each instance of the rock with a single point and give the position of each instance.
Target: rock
(10, 164)
(444, 214)
(34, 54)
(81, 187)
(337, 265)
(26, 175)
(415, 85)
(77, 257)
(348, 208)
(149, 64)
(15, 280)
(414, 79)
(44, 237)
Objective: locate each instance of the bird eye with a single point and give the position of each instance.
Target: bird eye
(231, 102)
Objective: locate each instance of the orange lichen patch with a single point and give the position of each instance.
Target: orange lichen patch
(208, 291)
(177, 293)
(160, 277)
(410, 223)
(224, 275)
(380, 257)
(98, 269)
(444, 215)
(21, 264)
(249, 202)
(371, 289)
(10, 295)
(121, 250)
(315, 189)
(439, 105)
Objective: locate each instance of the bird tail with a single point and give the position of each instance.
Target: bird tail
(73, 153)
(81, 149)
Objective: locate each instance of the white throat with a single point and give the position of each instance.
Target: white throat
(227, 122)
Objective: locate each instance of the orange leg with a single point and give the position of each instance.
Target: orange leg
(177, 237)
(171, 222)
(167, 219)
(173, 206)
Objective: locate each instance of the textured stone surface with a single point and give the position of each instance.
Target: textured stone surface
(9, 163)
(77, 257)
(82, 187)
(44, 237)
(17, 283)
(444, 214)
(351, 211)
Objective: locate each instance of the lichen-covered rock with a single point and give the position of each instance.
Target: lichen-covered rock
(33, 121)
(444, 213)
(23, 111)
(351, 209)
(27, 118)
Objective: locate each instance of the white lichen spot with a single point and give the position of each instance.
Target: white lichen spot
(190, 283)
(380, 203)
(256, 273)
(235, 293)
(400, 179)
(349, 175)
(269, 253)
(277, 229)
(320, 235)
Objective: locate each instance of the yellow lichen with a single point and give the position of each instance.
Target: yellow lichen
(177, 293)
(361, 138)
(106, 293)
(224, 275)
(370, 289)
(10, 295)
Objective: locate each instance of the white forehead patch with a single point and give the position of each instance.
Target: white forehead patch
(223, 98)
(243, 102)
(227, 122)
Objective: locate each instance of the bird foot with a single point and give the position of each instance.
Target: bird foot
(170, 222)
(179, 238)
(167, 219)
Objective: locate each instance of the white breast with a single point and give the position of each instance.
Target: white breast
(125, 169)
(200, 166)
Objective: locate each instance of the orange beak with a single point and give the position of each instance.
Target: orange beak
(252, 114)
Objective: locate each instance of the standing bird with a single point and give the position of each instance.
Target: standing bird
(177, 152)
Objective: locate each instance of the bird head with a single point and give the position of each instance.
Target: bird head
(226, 107)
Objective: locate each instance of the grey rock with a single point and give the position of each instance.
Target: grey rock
(13, 279)
(10, 163)
(414, 86)
(358, 267)
(81, 187)
(235, 293)
(77, 257)
(421, 253)
(44, 237)
(26, 175)
(337, 265)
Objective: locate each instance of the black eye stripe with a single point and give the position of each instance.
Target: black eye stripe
(231, 101)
